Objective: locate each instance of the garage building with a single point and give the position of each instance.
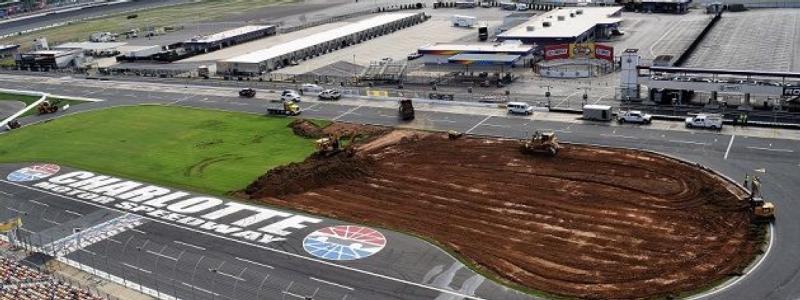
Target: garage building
(317, 44)
(216, 41)
(566, 26)
(439, 53)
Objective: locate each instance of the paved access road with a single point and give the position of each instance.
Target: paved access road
(734, 152)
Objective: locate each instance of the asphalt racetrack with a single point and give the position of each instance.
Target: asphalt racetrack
(426, 273)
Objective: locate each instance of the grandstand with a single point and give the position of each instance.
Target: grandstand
(19, 282)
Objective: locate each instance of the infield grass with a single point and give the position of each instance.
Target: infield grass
(203, 150)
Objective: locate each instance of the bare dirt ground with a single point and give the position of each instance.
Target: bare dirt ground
(591, 223)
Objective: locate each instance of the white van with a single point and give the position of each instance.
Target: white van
(520, 108)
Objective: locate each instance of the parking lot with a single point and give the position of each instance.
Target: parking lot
(764, 39)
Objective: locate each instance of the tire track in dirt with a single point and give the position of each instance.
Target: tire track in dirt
(589, 223)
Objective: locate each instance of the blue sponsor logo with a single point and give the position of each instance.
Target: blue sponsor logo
(33, 173)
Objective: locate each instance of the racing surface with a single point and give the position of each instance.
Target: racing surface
(590, 223)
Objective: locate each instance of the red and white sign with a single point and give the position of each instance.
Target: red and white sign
(604, 52)
(556, 52)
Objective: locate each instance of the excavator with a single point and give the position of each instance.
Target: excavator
(331, 145)
(542, 143)
(47, 108)
(763, 211)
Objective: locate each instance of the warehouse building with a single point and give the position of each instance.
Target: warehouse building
(50, 59)
(500, 53)
(7, 51)
(566, 26)
(658, 6)
(317, 44)
(216, 41)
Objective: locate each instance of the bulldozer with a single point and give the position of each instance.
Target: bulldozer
(763, 211)
(454, 135)
(542, 142)
(47, 108)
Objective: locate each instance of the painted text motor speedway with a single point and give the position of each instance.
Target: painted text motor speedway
(231, 219)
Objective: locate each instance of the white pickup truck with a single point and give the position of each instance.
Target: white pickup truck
(705, 121)
(634, 116)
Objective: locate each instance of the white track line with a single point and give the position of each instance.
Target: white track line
(332, 283)
(254, 263)
(346, 113)
(729, 146)
(40, 203)
(162, 255)
(137, 268)
(73, 213)
(771, 149)
(479, 124)
(200, 289)
(688, 142)
(190, 245)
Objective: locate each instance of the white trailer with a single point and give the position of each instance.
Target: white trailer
(463, 21)
(597, 112)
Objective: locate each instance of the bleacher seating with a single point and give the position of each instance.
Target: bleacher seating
(19, 282)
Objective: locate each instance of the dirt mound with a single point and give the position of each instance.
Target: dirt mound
(591, 223)
(346, 130)
(305, 128)
(316, 171)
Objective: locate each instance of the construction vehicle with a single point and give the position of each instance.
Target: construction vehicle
(285, 108)
(763, 211)
(454, 135)
(483, 32)
(406, 110)
(331, 145)
(542, 142)
(247, 93)
(47, 108)
(327, 145)
(13, 124)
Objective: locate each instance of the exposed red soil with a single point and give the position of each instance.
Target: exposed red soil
(589, 223)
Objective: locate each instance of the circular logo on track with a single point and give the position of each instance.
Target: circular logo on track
(344, 242)
(34, 172)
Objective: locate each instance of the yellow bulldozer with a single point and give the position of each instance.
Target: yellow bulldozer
(763, 211)
(542, 143)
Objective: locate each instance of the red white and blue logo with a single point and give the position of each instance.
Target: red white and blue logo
(32, 173)
(344, 242)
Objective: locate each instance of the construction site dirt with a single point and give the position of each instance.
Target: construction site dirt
(591, 222)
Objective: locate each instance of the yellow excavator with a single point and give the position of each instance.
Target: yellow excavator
(331, 145)
(542, 143)
(763, 211)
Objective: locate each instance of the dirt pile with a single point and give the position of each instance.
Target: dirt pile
(591, 223)
(308, 129)
(316, 171)
(305, 128)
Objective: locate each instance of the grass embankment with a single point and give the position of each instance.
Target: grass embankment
(31, 99)
(207, 10)
(209, 151)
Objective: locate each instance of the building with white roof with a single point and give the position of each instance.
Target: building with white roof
(316, 44)
(442, 53)
(219, 40)
(566, 25)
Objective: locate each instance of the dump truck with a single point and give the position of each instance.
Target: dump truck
(542, 143)
(247, 93)
(406, 110)
(285, 108)
(483, 32)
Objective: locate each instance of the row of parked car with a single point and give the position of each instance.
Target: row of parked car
(294, 96)
(724, 80)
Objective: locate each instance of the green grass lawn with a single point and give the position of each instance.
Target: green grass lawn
(207, 10)
(30, 99)
(203, 150)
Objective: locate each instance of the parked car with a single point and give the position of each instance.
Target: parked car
(705, 121)
(330, 94)
(634, 116)
(310, 87)
(290, 95)
(521, 108)
(414, 56)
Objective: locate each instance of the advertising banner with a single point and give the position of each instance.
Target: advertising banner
(604, 52)
(584, 50)
(556, 52)
(791, 91)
